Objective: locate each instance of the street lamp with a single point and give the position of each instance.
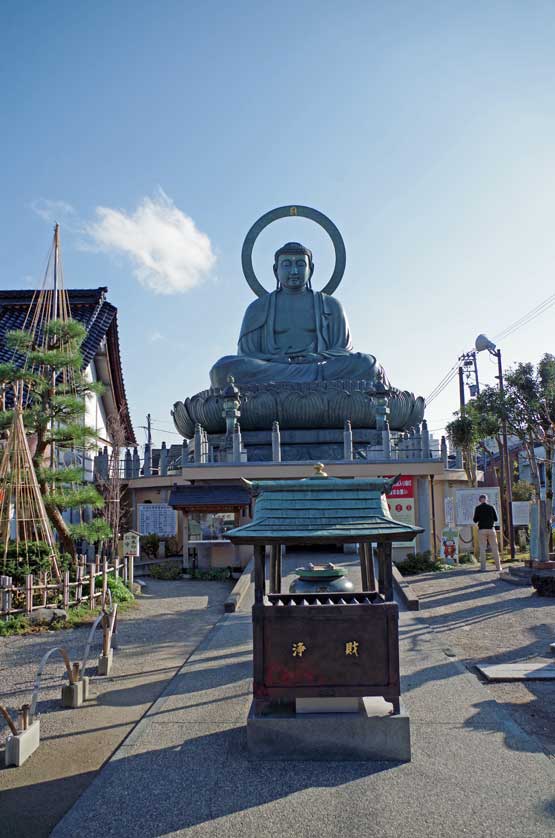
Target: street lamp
(483, 343)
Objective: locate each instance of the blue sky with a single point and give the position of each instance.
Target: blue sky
(156, 134)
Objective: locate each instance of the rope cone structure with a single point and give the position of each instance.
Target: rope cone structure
(23, 515)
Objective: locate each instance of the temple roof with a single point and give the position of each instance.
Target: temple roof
(216, 498)
(99, 317)
(322, 509)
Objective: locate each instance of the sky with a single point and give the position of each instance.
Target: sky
(157, 134)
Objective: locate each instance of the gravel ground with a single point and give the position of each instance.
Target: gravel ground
(485, 620)
(155, 637)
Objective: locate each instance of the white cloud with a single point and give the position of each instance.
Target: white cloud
(52, 211)
(169, 253)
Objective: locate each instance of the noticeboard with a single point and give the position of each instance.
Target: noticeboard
(401, 505)
(131, 544)
(157, 518)
(521, 513)
(466, 500)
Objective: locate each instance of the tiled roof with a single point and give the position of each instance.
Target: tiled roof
(188, 497)
(322, 509)
(99, 317)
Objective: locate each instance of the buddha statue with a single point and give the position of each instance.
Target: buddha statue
(295, 334)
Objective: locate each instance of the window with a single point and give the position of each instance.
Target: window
(210, 526)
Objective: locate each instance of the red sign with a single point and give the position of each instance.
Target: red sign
(404, 488)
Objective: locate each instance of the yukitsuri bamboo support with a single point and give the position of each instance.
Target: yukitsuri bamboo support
(23, 517)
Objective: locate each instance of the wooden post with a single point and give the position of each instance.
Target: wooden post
(130, 571)
(278, 568)
(29, 593)
(125, 573)
(275, 548)
(66, 589)
(388, 572)
(116, 566)
(104, 579)
(363, 566)
(369, 563)
(92, 580)
(381, 567)
(79, 583)
(5, 594)
(259, 573)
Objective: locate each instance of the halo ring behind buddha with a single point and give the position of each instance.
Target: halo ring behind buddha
(288, 212)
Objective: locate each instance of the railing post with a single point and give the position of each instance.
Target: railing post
(79, 583)
(5, 594)
(92, 579)
(66, 589)
(116, 567)
(29, 593)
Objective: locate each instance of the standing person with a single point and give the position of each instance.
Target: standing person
(486, 516)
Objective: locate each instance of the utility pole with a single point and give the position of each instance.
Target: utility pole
(148, 431)
(506, 457)
(461, 387)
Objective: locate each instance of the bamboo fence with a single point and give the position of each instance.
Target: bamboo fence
(44, 591)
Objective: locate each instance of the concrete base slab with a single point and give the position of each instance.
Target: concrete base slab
(19, 748)
(73, 695)
(518, 671)
(105, 663)
(331, 736)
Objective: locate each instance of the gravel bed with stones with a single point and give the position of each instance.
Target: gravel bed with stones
(155, 637)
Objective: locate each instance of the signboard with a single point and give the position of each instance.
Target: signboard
(401, 504)
(450, 545)
(466, 500)
(131, 544)
(521, 513)
(157, 518)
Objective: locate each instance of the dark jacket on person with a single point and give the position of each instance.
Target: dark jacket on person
(485, 516)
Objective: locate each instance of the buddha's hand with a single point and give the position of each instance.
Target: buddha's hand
(308, 358)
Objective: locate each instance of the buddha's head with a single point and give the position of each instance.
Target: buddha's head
(293, 266)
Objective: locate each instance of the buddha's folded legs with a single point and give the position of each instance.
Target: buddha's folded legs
(354, 366)
(247, 370)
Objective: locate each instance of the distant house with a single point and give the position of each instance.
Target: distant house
(100, 349)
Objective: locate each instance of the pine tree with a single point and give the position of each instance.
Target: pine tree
(54, 408)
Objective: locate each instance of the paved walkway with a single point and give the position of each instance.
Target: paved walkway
(185, 770)
(155, 637)
(487, 621)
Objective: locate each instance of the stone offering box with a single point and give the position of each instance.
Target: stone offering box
(324, 645)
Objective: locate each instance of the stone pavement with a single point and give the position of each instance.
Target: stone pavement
(185, 770)
(486, 621)
(155, 637)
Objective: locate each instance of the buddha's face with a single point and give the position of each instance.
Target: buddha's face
(293, 271)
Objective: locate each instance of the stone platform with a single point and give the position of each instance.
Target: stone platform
(369, 734)
(319, 445)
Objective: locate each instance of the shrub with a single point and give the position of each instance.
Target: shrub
(171, 546)
(165, 571)
(119, 590)
(18, 624)
(150, 544)
(419, 563)
(466, 558)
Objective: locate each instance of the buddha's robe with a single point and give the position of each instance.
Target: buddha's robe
(261, 359)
